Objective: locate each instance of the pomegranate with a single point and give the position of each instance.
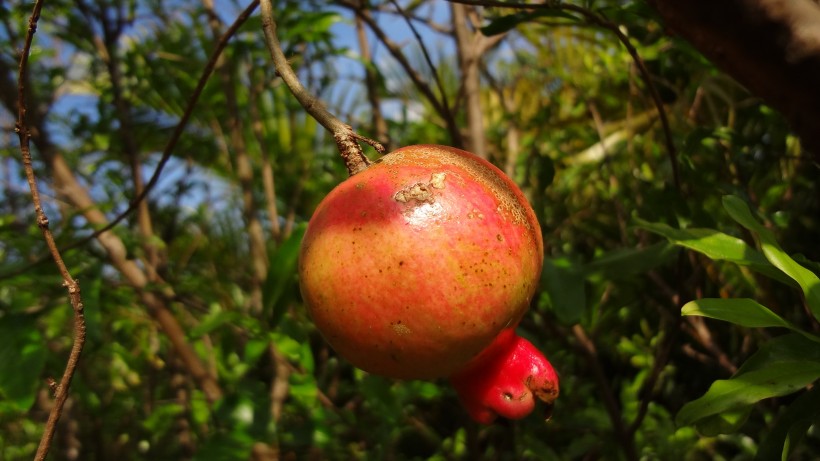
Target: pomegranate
(420, 267)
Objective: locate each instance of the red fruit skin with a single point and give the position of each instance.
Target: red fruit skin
(505, 379)
(413, 266)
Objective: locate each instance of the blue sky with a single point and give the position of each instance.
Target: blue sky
(75, 104)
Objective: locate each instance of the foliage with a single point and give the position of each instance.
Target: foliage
(782, 365)
(566, 114)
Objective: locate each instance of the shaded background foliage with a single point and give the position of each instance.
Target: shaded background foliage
(198, 344)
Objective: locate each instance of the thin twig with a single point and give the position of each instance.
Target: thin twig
(72, 286)
(597, 19)
(346, 139)
(395, 50)
(426, 54)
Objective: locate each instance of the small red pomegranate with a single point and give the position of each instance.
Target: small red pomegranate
(421, 267)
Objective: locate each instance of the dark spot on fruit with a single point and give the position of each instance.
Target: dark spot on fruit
(499, 237)
(401, 263)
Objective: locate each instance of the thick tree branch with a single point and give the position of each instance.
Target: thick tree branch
(770, 46)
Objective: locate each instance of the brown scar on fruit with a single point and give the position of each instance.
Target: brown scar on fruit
(421, 192)
(400, 328)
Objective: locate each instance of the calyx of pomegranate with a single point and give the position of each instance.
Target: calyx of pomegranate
(420, 267)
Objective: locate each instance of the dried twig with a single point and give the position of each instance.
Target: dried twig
(426, 54)
(73, 286)
(346, 139)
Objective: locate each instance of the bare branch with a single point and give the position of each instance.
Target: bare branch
(346, 139)
(426, 53)
(73, 286)
(371, 85)
(395, 50)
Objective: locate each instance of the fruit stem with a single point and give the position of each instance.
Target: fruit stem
(504, 380)
(346, 139)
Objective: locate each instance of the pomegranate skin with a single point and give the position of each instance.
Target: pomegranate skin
(413, 266)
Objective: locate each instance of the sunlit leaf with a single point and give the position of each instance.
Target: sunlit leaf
(725, 422)
(715, 245)
(809, 281)
(740, 311)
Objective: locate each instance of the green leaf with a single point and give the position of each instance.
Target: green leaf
(625, 263)
(22, 358)
(785, 348)
(781, 366)
(808, 280)
(725, 422)
(510, 21)
(790, 427)
(564, 281)
(715, 245)
(740, 311)
(281, 276)
(776, 379)
(215, 319)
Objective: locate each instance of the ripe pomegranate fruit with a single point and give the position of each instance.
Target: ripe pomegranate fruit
(421, 267)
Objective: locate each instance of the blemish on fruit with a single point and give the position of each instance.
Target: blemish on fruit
(421, 192)
(400, 329)
(437, 180)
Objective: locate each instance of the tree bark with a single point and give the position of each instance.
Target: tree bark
(468, 60)
(772, 47)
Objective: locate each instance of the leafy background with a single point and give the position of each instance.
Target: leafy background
(212, 253)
